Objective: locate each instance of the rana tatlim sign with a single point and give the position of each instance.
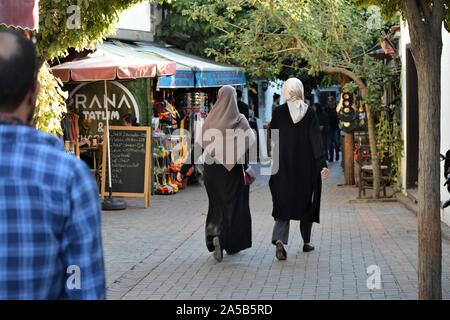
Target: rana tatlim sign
(124, 97)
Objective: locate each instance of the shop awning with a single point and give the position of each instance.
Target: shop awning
(106, 64)
(22, 14)
(192, 71)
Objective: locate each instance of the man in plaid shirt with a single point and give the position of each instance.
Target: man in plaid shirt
(50, 240)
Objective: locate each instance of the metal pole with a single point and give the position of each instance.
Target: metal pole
(107, 138)
(110, 203)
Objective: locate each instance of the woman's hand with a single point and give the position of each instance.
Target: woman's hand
(325, 173)
(179, 177)
(251, 173)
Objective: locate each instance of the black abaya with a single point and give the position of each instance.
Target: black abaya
(297, 186)
(229, 211)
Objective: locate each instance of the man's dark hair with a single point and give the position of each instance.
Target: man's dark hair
(239, 94)
(18, 69)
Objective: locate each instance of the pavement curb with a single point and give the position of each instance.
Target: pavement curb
(413, 207)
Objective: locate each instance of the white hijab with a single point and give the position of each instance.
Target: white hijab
(294, 96)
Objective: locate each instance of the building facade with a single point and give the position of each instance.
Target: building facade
(410, 116)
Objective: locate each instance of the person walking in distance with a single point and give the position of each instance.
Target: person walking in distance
(50, 245)
(334, 132)
(242, 106)
(297, 185)
(228, 223)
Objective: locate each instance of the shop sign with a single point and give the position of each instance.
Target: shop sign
(220, 78)
(87, 100)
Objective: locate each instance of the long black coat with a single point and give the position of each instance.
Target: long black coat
(297, 186)
(229, 215)
(229, 210)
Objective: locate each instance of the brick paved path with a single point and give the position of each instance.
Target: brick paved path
(159, 253)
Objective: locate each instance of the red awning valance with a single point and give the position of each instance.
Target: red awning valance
(108, 66)
(22, 14)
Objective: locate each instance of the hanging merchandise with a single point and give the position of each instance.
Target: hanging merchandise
(349, 127)
(362, 115)
(347, 112)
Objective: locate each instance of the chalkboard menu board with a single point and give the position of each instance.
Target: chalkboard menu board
(130, 162)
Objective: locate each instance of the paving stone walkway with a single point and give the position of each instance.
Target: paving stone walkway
(159, 253)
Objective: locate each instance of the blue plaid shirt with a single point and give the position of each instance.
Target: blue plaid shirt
(50, 240)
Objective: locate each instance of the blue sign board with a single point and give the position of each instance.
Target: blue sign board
(181, 79)
(203, 79)
(220, 78)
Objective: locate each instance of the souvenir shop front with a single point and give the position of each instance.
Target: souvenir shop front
(173, 103)
(107, 88)
(181, 103)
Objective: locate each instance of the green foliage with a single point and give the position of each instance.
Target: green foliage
(192, 36)
(388, 112)
(51, 102)
(266, 36)
(97, 20)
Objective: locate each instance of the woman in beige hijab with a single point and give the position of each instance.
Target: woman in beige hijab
(296, 187)
(225, 138)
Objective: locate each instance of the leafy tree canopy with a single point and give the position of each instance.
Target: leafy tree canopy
(275, 34)
(60, 29)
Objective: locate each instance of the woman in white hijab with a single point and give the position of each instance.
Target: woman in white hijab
(298, 154)
(225, 138)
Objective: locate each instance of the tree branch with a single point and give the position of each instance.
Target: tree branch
(362, 86)
(285, 50)
(437, 15)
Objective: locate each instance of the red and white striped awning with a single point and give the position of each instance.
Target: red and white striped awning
(23, 14)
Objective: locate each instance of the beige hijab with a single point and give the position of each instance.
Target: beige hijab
(294, 96)
(226, 134)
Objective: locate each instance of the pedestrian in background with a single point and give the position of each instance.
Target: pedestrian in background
(324, 124)
(228, 224)
(276, 101)
(297, 185)
(50, 240)
(242, 106)
(334, 133)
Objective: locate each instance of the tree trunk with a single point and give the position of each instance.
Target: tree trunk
(349, 166)
(426, 40)
(430, 252)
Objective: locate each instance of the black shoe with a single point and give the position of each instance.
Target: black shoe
(308, 248)
(280, 252)
(218, 253)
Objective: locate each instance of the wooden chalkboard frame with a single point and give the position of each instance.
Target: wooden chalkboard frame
(146, 194)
